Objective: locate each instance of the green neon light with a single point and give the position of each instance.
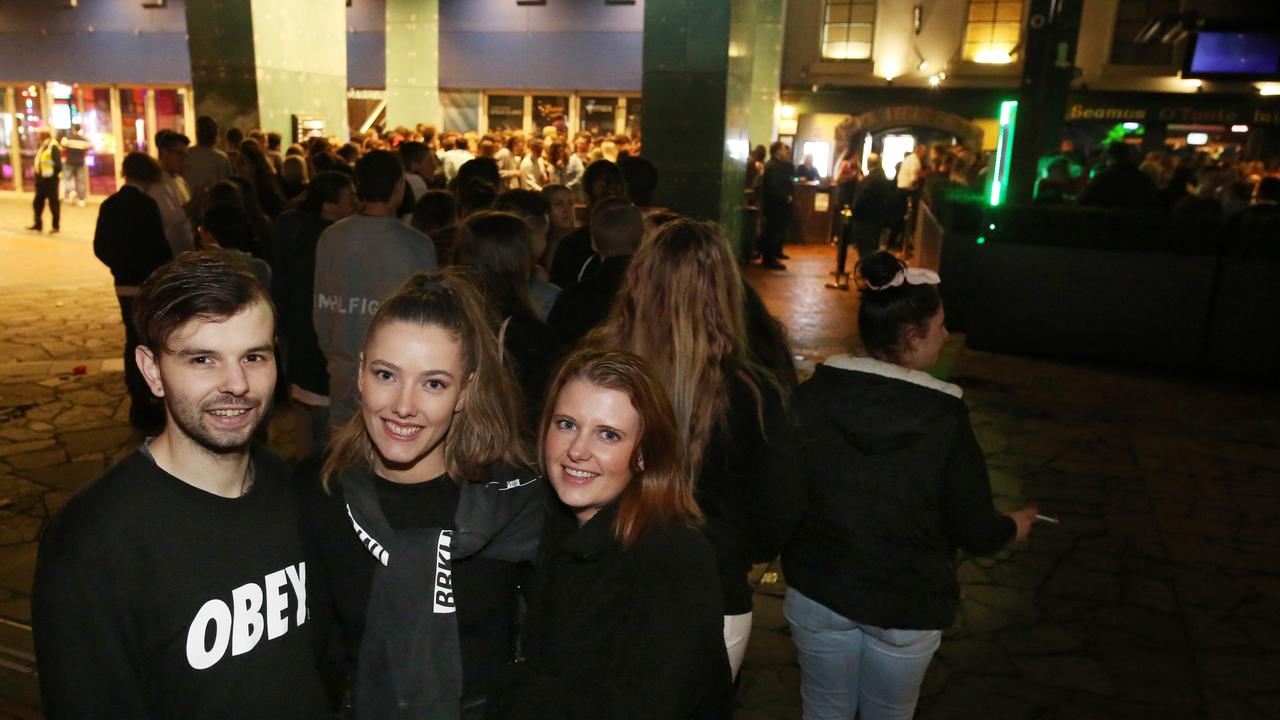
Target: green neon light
(1004, 151)
(982, 241)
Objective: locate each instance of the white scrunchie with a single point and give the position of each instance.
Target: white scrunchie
(910, 276)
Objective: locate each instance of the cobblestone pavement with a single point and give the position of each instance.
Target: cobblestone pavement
(1157, 596)
(1159, 593)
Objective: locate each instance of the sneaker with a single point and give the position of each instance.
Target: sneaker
(773, 265)
(79, 203)
(54, 231)
(783, 256)
(37, 228)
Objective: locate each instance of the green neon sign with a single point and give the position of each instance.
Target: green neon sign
(1004, 151)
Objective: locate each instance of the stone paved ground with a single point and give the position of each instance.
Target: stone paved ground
(1157, 597)
(1159, 594)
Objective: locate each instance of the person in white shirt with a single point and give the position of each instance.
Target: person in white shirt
(912, 164)
(902, 216)
(508, 159)
(533, 169)
(171, 193)
(456, 152)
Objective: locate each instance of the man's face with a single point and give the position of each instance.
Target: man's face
(346, 206)
(216, 378)
(174, 159)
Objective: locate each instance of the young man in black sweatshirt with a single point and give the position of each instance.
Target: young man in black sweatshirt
(175, 585)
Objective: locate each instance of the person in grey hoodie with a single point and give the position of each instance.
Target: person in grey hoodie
(361, 261)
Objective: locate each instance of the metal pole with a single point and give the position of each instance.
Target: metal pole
(118, 134)
(15, 150)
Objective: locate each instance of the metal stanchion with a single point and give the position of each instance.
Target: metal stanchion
(841, 281)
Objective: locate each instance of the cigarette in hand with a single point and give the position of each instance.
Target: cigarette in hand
(1048, 519)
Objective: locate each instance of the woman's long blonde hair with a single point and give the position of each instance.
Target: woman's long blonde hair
(487, 430)
(680, 308)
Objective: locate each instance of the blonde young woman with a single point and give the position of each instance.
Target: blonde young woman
(681, 308)
(429, 513)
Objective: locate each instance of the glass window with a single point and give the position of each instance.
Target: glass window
(506, 112)
(993, 31)
(597, 115)
(6, 141)
(170, 109)
(634, 107)
(29, 119)
(1131, 16)
(460, 110)
(550, 110)
(95, 122)
(847, 28)
(133, 120)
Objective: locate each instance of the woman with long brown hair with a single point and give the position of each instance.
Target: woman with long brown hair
(429, 512)
(624, 609)
(681, 308)
(495, 248)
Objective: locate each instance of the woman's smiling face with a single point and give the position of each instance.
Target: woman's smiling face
(589, 446)
(411, 384)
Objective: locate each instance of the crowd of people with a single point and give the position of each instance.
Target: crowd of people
(1189, 185)
(542, 455)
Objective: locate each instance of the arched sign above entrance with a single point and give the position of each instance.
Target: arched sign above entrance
(967, 133)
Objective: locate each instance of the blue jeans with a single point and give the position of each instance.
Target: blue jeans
(847, 667)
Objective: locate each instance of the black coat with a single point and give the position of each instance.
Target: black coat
(873, 198)
(572, 253)
(895, 483)
(582, 307)
(749, 510)
(129, 238)
(617, 633)
(777, 188)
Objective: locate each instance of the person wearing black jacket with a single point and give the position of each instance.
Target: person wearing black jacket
(895, 482)
(682, 309)
(777, 189)
(427, 518)
(176, 585)
(574, 260)
(624, 609)
(494, 248)
(330, 197)
(616, 230)
(129, 239)
(872, 202)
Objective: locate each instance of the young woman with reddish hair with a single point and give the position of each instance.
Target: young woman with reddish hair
(624, 610)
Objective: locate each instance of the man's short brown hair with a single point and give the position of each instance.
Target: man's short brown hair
(207, 285)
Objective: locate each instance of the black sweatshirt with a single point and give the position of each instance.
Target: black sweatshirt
(895, 482)
(617, 633)
(155, 599)
(494, 529)
(486, 588)
(749, 511)
(129, 237)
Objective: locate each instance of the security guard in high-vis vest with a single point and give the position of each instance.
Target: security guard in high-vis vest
(47, 169)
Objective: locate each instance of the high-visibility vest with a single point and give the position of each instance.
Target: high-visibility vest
(44, 161)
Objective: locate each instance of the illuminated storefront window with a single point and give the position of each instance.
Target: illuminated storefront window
(847, 28)
(993, 30)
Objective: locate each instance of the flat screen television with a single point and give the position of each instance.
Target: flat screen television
(1233, 55)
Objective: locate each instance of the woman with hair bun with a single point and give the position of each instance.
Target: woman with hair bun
(624, 609)
(895, 483)
(429, 516)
